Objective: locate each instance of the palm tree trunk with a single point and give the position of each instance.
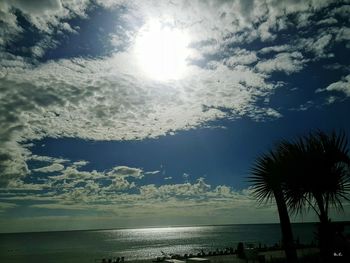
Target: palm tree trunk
(286, 228)
(324, 230)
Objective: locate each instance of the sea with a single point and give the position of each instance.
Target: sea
(136, 244)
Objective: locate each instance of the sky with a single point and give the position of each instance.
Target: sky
(151, 113)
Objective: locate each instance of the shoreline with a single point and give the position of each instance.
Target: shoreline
(268, 257)
(268, 253)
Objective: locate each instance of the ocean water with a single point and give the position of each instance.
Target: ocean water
(92, 246)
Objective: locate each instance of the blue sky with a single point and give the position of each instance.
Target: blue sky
(140, 113)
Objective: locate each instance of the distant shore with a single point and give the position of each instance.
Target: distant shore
(151, 227)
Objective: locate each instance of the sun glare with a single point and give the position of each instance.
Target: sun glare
(162, 51)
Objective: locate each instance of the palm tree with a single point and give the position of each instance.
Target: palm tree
(317, 176)
(267, 184)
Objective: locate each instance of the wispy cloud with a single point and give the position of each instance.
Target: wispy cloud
(285, 62)
(56, 167)
(342, 85)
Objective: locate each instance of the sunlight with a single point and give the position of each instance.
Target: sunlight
(162, 51)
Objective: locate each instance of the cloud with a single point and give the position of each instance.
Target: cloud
(320, 45)
(47, 17)
(342, 85)
(12, 159)
(19, 185)
(120, 184)
(55, 167)
(111, 98)
(196, 190)
(37, 6)
(5, 205)
(53, 99)
(328, 21)
(125, 171)
(45, 14)
(79, 164)
(241, 57)
(47, 159)
(39, 49)
(285, 62)
(74, 187)
(219, 204)
(337, 66)
(277, 49)
(153, 172)
(342, 11)
(304, 106)
(73, 173)
(343, 34)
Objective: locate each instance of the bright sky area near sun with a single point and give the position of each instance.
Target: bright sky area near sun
(151, 113)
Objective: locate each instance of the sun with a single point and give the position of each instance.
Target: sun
(162, 51)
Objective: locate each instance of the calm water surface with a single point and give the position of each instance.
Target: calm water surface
(88, 246)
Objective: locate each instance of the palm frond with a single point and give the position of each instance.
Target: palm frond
(263, 177)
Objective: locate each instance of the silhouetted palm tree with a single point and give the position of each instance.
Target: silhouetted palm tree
(267, 184)
(317, 176)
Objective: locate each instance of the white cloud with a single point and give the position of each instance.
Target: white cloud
(153, 172)
(19, 185)
(73, 173)
(319, 46)
(110, 98)
(285, 62)
(120, 184)
(5, 205)
(218, 204)
(66, 27)
(39, 49)
(37, 6)
(337, 66)
(125, 171)
(328, 21)
(342, 85)
(92, 99)
(304, 106)
(264, 31)
(12, 159)
(343, 34)
(80, 163)
(342, 11)
(43, 158)
(331, 99)
(44, 15)
(55, 167)
(197, 190)
(303, 19)
(277, 49)
(241, 57)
